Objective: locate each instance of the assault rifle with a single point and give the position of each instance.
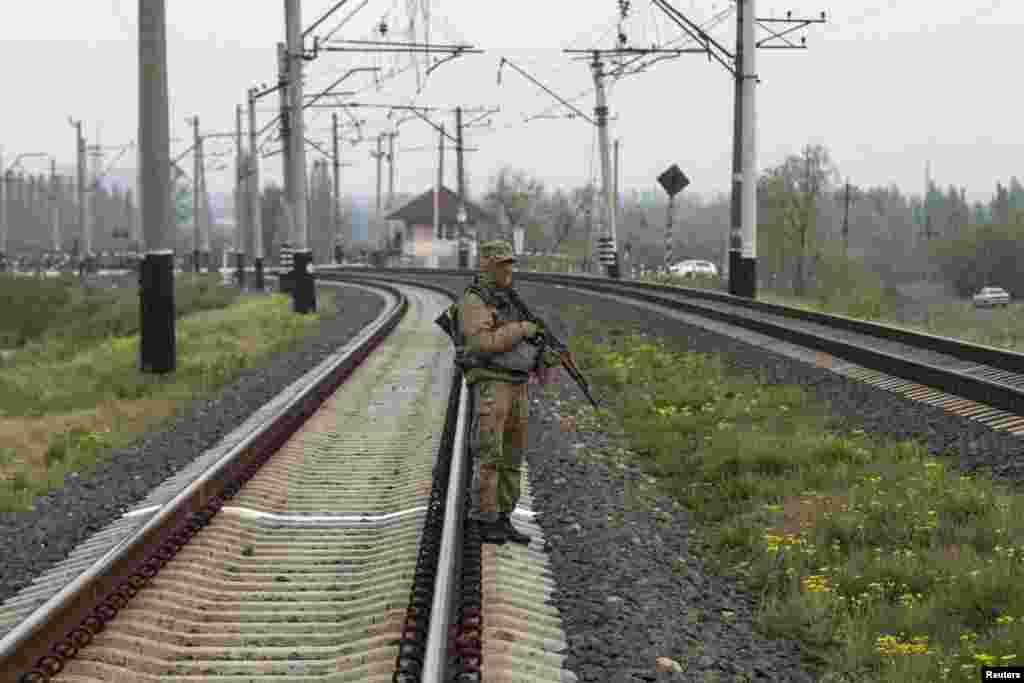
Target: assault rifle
(546, 339)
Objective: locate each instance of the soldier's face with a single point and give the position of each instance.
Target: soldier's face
(503, 273)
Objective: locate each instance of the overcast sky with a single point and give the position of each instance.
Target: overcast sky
(886, 86)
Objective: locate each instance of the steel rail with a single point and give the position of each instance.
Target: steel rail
(81, 608)
(994, 393)
(435, 664)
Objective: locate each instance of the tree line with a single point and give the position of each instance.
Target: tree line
(816, 233)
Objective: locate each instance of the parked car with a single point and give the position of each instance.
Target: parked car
(691, 268)
(991, 296)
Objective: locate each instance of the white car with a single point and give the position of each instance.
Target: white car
(691, 268)
(991, 296)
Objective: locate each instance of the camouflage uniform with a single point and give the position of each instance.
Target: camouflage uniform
(493, 333)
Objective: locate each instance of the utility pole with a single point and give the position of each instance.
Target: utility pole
(615, 205)
(742, 248)
(83, 224)
(5, 177)
(286, 129)
(54, 210)
(240, 203)
(459, 168)
(391, 168)
(304, 291)
(157, 346)
(137, 201)
(211, 263)
(197, 170)
(461, 183)
(336, 198)
(846, 220)
(607, 209)
(93, 193)
(437, 194)
(255, 212)
(380, 157)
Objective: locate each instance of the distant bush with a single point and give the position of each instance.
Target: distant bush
(848, 287)
(27, 306)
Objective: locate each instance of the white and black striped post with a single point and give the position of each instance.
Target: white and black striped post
(674, 181)
(241, 205)
(255, 210)
(668, 234)
(607, 252)
(285, 260)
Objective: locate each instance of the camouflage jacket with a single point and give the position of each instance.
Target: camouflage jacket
(491, 331)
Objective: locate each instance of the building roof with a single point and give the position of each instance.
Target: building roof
(420, 211)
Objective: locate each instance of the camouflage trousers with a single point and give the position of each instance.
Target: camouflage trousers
(499, 438)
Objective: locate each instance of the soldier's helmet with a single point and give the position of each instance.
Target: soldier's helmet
(496, 251)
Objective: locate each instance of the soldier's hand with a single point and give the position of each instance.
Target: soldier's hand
(529, 329)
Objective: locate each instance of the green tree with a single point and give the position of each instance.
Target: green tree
(790, 196)
(1000, 205)
(1016, 195)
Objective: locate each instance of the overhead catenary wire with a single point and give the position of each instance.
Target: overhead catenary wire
(710, 23)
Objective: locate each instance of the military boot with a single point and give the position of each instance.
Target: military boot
(511, 533)
(492, 532)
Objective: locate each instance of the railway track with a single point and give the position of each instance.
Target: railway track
(983, 384)
(325, 539)
(328, 538)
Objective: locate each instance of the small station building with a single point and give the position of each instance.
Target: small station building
(411, 231)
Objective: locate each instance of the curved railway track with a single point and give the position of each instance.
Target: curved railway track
(314, 543)
(328, 538)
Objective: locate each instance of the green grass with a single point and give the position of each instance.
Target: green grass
(998, 327)
(60, 312)
(63, 403)
(878, 558)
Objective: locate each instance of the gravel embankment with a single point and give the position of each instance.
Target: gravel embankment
(635, 591)
(33, 541)
(664, 612)
(629, 593)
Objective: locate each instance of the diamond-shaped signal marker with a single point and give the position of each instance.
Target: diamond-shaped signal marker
(673, 180)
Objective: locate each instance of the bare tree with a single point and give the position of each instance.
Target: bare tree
(515, 193)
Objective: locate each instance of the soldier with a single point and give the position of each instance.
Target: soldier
(498, 363)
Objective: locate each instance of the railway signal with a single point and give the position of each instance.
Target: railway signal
(674, 181)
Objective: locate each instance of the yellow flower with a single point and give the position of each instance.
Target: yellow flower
(892, 645)
(816, 583)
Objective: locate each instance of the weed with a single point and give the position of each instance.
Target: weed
(874, 555)
(70, 396)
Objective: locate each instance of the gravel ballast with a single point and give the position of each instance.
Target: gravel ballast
(629, 591)
(665, 612)
(34, 540)
(634, 591)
